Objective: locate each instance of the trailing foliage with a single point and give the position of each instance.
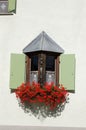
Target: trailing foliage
(50, 95)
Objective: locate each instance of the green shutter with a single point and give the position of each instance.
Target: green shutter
(17, 71)
(12, 6)
(67, 71)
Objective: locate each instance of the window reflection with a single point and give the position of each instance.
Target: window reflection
(50, 63)
(34, 63)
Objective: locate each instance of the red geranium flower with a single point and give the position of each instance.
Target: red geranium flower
(49, 94)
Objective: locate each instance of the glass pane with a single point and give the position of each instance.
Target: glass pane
(50, 63)
(33, 76)
(50, 77)
(34, 63)
(3, 7)
(3, 0)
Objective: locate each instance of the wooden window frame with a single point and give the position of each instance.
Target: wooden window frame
(28, 68)
(41, 68)
(42, 65)
(7, 12)
(57, 62)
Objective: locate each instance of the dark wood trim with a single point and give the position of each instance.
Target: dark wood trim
(43, 52)
(41, 68)
(57, 70)
(28, 68)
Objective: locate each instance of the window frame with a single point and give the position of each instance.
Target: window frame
(5, 3)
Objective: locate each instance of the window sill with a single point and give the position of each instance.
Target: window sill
(2, 14)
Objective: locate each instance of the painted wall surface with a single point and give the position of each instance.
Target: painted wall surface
(65, 22)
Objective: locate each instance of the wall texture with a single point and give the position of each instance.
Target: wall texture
(65, 22)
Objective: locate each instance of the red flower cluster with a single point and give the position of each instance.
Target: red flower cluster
(49, 94)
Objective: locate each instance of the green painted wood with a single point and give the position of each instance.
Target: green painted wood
(67, 71)
(17, 70)
(12, 6)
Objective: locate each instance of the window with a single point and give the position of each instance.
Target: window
(34, 63)
(50, 63)
(7, 7)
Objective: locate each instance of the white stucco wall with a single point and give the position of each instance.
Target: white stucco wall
(65, 22)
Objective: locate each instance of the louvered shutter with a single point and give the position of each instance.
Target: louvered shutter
(67, 71)
(17, 70)
(12, 6)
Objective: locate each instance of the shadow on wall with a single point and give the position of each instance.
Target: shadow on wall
(38, 128)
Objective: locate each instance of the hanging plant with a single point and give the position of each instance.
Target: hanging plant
(48, 95)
